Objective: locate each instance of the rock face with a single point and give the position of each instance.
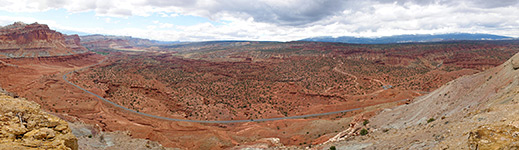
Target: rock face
(36, 40)
(25, 126)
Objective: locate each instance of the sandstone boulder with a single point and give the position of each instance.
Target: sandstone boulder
(25, 126)
(514, 61)
(494, 137)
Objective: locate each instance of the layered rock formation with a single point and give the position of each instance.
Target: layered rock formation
(25, 126)
(36, 40)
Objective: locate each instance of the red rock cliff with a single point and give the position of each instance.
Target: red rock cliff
(36, 40)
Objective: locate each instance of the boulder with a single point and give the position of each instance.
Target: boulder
(25, 126)
(514, 61)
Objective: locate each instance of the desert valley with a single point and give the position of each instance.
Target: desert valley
(254, 75)
(240, 83)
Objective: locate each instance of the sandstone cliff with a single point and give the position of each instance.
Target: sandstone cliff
(25, 126)
(36, 40)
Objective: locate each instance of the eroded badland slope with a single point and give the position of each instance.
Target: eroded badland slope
(477, 111)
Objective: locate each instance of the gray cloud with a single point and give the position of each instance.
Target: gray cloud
(472, 3)
(296, 19)
(165, 3)
(121, 12)
(298, 13)
(493, 3)
(303, 12)
(291, 12)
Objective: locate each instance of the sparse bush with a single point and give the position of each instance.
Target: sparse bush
(430, 120)
(333, 148)
(363, 132)
(365, 122)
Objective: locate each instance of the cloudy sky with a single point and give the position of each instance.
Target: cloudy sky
(270, 20)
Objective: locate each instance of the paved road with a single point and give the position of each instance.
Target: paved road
(197, 121)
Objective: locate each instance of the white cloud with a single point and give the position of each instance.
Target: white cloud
(293, 19)
(168, 15)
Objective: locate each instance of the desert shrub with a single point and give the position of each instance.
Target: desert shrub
(365, 122)
(363, 132)
(332, 148)
(430, 120)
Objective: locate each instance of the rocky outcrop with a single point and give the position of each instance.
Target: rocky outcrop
(515, 61)
(36, 40)
(25, 126)
(90, 137)
(494, 137)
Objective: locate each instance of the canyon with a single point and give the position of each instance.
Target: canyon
(269, 80)
(383, 84)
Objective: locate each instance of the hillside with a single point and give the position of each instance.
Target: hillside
(473, 112)
(408, 38)
(36, 40)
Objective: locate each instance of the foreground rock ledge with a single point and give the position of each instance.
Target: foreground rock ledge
(25, 126)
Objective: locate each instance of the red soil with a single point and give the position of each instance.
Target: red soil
(270, 84)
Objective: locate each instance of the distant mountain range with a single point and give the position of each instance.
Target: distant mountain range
(121, 41)
(409, 38)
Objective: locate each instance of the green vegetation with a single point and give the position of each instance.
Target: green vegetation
(98, 52)
(430, 120)
(365, 122)
(332, 148)
(102, 53)
(363, 132)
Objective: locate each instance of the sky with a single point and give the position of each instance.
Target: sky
(265, 20)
